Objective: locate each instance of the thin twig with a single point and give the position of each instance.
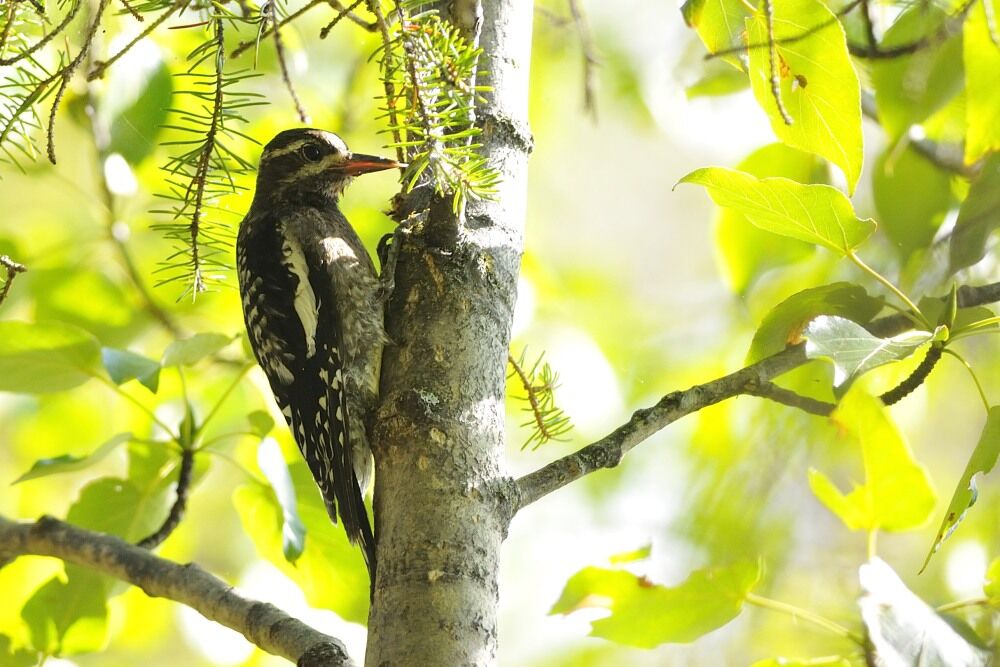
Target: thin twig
(590, 61)
(12, 268)
(346, 12)
(279, 48)
(66, 74)
(544, 431)
(176, 513)
(773, 392)
(949, 26)
(20, 55)
(100, 67)
(772, 62)
(131, 10)
(263, 624)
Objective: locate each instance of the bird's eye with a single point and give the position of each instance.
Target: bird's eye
(312, 153)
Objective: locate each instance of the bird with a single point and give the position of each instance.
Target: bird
(313, 310)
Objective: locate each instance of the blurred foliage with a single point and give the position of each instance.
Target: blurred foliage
(107, 379)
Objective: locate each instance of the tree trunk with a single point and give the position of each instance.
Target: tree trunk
(442, 496)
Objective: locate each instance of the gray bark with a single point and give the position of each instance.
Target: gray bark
(442, 497)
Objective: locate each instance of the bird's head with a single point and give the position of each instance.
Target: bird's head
(305, 162)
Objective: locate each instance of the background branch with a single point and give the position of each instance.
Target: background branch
(261, 623)
(752, 380)
(12, 268)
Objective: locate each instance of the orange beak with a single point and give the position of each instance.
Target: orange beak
(359, 163)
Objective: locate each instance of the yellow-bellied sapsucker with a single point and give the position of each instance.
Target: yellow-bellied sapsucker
(313, 312)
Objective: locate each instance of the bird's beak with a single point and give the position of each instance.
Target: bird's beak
(359, 163)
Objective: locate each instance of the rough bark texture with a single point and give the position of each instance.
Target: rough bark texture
(442, 497)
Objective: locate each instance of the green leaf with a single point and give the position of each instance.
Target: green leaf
(123, 366)
(67, 617)
(832, 661)
(642, 553)
(67, 463)
(272, 464)
(911, 87)
(719, 24)
(330, 571)
(812, 213)
(784, 324)
(15, 658)
(853, 350)
(817, 82)
(87, 299)
(114, 506)
(644, 614)
(746, 251)
(717, 83)
(982, 460)
(912, 196)
(992, 586)
(897, 494)
(137, 98)
(978, 217)
(261, 422)
(39, 358)
(191, 350)
(982, 81)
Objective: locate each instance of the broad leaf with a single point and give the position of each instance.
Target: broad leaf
(853, 350)
(719, 24)
(39, 358)
(992, 586)
(978, 217)
(717, 83)
(646, 615)
(897, 494)
(911, 87)
(272, 464)
(191, 350)
(745, 250)
(123, 366)
(785, 323)
(330, 571)
(982, 80)
(71, 616)
(983, 458)
(812, 213)
(68, 463)
(904, 630)
(261, 423)
(87, 299)
(818, 85)
(912, 196)
(136, 101)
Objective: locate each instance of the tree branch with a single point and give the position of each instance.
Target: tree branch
(773, 392)
(609, 451)
(12, 268)
(261, 623)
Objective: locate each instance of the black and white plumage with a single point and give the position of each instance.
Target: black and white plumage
(313, 312)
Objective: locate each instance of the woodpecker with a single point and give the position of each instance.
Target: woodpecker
(313, 312)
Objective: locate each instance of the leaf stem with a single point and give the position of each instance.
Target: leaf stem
(914, 313)
(972, 374)
(806, 615)
(960, 604)
(225, 395)
(132, 399)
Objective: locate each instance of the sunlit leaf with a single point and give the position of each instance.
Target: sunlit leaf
(982, 460)
(645, 614)
(85, 298)
(15, 658)
(992, 586)
(272, 464)
(833, 661)
(812, 213)
(39, 358)
(747, 251)
(138, 96)
(785, 323)
(818, 85)
(897, 494)
(191, 350)
(123, 366)
(853, 350)
(330, 571)
(978, 217)
(261, 422)
(982, 80)
(68, 463)
(719, 24)
(642, 553)
(71, 616)
(723, 82)
(904, 630)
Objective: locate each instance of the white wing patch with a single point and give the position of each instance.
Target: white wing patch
(305, 299)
